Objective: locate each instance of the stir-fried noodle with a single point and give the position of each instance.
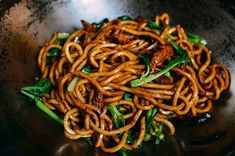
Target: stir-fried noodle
(120, 81)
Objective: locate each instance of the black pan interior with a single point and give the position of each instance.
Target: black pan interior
(26, 24)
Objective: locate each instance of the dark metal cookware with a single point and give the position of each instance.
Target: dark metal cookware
(26, 24)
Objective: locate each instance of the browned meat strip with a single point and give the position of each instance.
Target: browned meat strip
(87, 26)
(165, 52)
(163, 79)
(122, 38)
(140, 20)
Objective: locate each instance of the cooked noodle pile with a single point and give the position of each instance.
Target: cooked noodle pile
(91, 81)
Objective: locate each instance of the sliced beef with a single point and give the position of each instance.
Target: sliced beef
(164, 53)
(140, 20)
(122, 38)
(88, 27)
(163, 80)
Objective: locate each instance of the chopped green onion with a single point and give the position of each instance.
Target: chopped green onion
(157, 141)
(158, 134)
(154, 25)
(149, 113)
(168, 74)
(173, 63)
(86, 70)
(157, 130)
(147, 63)
(75, 79)
(100, 24)
(147, 137)
(149, 118)
(178, 49)
(118, 119)
(161, 136)
(62, 36)
(123, 152)
(72, 84)
(128, 96)
(53, 52)
(131, 138)
(88, 140)
(196, 39)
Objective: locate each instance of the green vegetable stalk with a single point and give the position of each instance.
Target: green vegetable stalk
(156, 133)
(100, 24)
(39, 88)
(191, 37)
(128, 96)
(149, 118)
(173, 63)
(154, 25)
(72, 84)
(125, 17)
(147, 63)
(123, 152)
(118, 119)
(62, 36)
(47, 111)
(35, 92)
(181, 58)
(86, 70)
(196, 39)
(53, 52)
(179, 50)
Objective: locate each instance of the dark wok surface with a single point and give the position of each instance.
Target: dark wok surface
(25, 25)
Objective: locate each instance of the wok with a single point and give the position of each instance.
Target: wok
(27, 24)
